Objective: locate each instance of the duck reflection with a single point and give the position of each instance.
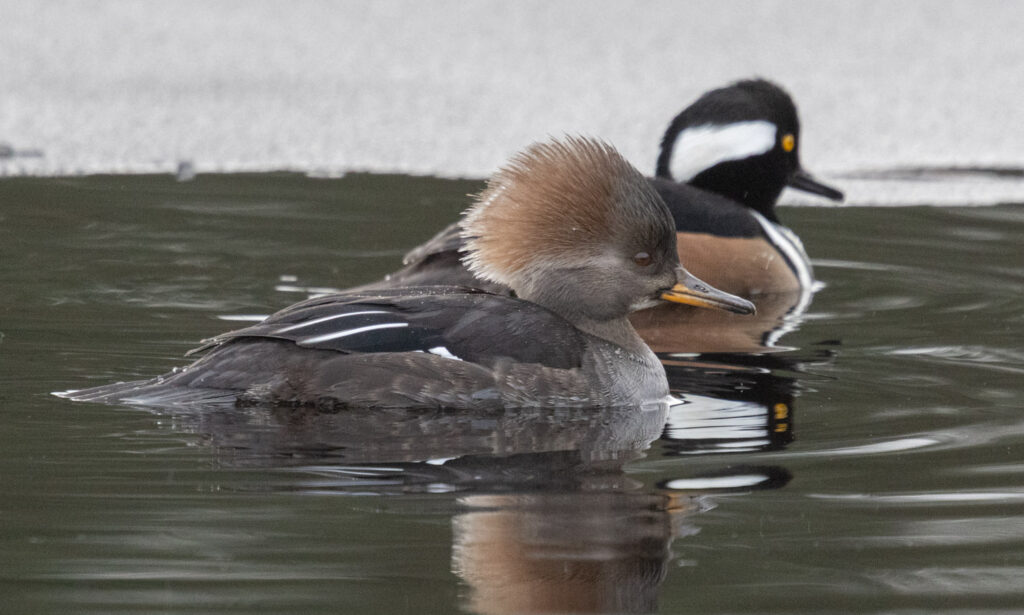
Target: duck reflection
(463, 446)
(585, 552)
(738, 385)
(590, 551)
(731, 403)
(546, 518)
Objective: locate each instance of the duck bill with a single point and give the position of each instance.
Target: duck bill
(802, 180)
(691, 291)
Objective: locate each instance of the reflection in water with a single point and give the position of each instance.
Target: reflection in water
(730, 373)
(732, 403)
(591, 552)
(547, 519)
(442, 440)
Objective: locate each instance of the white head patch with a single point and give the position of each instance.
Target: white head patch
(702, 147)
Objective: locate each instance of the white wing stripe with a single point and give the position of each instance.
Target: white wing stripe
(441, 351)
(316, 321)
(348, 332)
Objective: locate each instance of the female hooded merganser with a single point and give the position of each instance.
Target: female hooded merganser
(571, 227)
(724, 161)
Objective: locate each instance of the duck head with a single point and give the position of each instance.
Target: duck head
(571, 225)
(743, 142)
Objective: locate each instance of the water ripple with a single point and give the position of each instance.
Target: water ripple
(960, 581)
(1002, 359)
(875, 448)
(937, 497)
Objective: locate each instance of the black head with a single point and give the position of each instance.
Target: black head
(741, 141)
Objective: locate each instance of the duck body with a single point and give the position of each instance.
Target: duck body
(434, 347)
(733, 247)
(565, 341)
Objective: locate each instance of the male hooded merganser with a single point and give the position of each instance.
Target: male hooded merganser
(724, 161)
(571, 227)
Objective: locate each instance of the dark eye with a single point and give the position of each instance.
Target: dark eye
(642, 259)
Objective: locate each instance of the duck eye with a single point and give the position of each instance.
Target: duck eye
(788, 142)
(642, 259)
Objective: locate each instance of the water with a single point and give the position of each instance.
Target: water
(873, 463)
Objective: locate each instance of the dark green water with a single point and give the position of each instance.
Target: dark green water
(890, 480)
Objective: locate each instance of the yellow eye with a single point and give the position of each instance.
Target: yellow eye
(788, 142)
(642, 259)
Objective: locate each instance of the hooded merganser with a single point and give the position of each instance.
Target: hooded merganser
(724, 161)
(571, 227)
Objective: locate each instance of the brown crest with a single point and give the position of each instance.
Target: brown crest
(552, 200)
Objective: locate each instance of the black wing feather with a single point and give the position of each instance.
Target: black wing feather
(469, 324)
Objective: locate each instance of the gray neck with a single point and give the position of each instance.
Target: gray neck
(618, 331)
(623, 376)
